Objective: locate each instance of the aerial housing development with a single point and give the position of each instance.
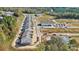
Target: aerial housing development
(39, 29)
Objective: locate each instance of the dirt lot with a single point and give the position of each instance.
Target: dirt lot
(76, 38)
(61, 30)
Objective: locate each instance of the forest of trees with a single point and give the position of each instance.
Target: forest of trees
(65, 13)
(9, 26)
(56, 44)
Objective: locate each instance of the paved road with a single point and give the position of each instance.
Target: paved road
(27, 27)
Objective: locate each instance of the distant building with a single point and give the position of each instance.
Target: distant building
(59, 25)
(8, 13)
(45, 25)
(1, 18)
(52, 25)
(51, 10)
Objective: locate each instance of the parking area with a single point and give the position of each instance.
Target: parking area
(25, 35)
